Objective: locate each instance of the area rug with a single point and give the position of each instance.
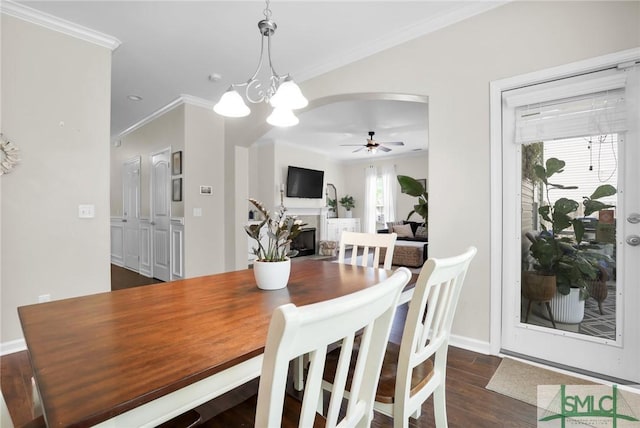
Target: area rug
(520, 380)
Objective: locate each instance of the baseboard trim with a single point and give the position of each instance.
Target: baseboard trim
(470, 344)
(12, 346)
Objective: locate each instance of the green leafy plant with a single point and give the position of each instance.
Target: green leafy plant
(348, 202)
(332, 204)
(413, 187)
(280, 229)
(559, 254)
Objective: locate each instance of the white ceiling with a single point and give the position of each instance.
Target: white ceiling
(169, 48)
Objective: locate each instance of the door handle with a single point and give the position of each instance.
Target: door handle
(633, 240)
(124, 220)
(152, 223)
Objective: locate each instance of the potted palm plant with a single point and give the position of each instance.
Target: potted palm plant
(413, 187)
(347, 203)
(333, 205)
(273, 263)
(563, 259)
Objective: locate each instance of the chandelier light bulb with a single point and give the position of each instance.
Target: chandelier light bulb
(282, 117)
(231, 104)
(289, 96)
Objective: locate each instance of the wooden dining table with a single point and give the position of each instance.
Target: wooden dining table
(140, 356)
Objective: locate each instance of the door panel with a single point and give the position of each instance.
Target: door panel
(131, 213)
(161, 213)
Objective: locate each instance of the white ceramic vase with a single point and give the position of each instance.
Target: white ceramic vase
(348, 214)
(271, 275)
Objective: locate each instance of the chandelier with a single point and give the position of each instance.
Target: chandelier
(280, 91)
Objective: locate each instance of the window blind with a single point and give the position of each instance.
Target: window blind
(595, 114)
(587, 105)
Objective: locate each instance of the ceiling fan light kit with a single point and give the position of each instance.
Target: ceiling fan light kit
(373, 146)
(282, 92)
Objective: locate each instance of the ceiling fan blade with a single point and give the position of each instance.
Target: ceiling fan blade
(384, 149)
(357, 150)
(353, 145)
(393, 143)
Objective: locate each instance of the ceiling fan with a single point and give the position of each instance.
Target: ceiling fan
(373, 146)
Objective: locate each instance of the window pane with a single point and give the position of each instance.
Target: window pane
(579, 256)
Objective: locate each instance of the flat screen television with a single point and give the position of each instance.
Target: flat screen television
(304, 183)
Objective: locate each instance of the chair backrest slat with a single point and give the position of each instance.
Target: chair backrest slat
(370, 244)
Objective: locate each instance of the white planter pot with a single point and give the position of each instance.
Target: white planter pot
(271, 275)
(348, 214)
(568, 309)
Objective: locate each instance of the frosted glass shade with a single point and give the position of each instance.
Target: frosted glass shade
(289, 96)
(231, 104)
(282, 117)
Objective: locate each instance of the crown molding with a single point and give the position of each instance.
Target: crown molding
(181, 100)
(196, 101)
(25, 13)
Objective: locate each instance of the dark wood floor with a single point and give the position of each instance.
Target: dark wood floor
(124, 278)
(469, 403)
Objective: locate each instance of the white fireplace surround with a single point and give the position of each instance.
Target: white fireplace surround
(320, 213)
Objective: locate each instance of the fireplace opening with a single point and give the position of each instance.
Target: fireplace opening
(305, 242)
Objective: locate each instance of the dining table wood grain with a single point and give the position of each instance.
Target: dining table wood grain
(98, 356)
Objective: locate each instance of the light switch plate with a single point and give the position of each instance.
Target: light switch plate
(86, 211)
(197, 212)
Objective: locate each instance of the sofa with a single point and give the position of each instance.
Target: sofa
(411, 245)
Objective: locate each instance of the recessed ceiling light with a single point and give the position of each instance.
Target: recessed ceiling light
(134, 97)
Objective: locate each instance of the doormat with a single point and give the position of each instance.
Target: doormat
(520, 380)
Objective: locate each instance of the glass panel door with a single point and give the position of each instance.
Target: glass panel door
(569, 205)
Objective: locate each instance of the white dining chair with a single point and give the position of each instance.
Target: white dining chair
(36, 410)
(416, 368)
(310, 329)
(370, 244)
(5, 417)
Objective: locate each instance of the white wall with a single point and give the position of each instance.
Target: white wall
(454, 67)
(203, 164)
(55, 107)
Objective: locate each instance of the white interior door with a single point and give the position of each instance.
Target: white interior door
(161, 213)
(131, 213)
(616, 352)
